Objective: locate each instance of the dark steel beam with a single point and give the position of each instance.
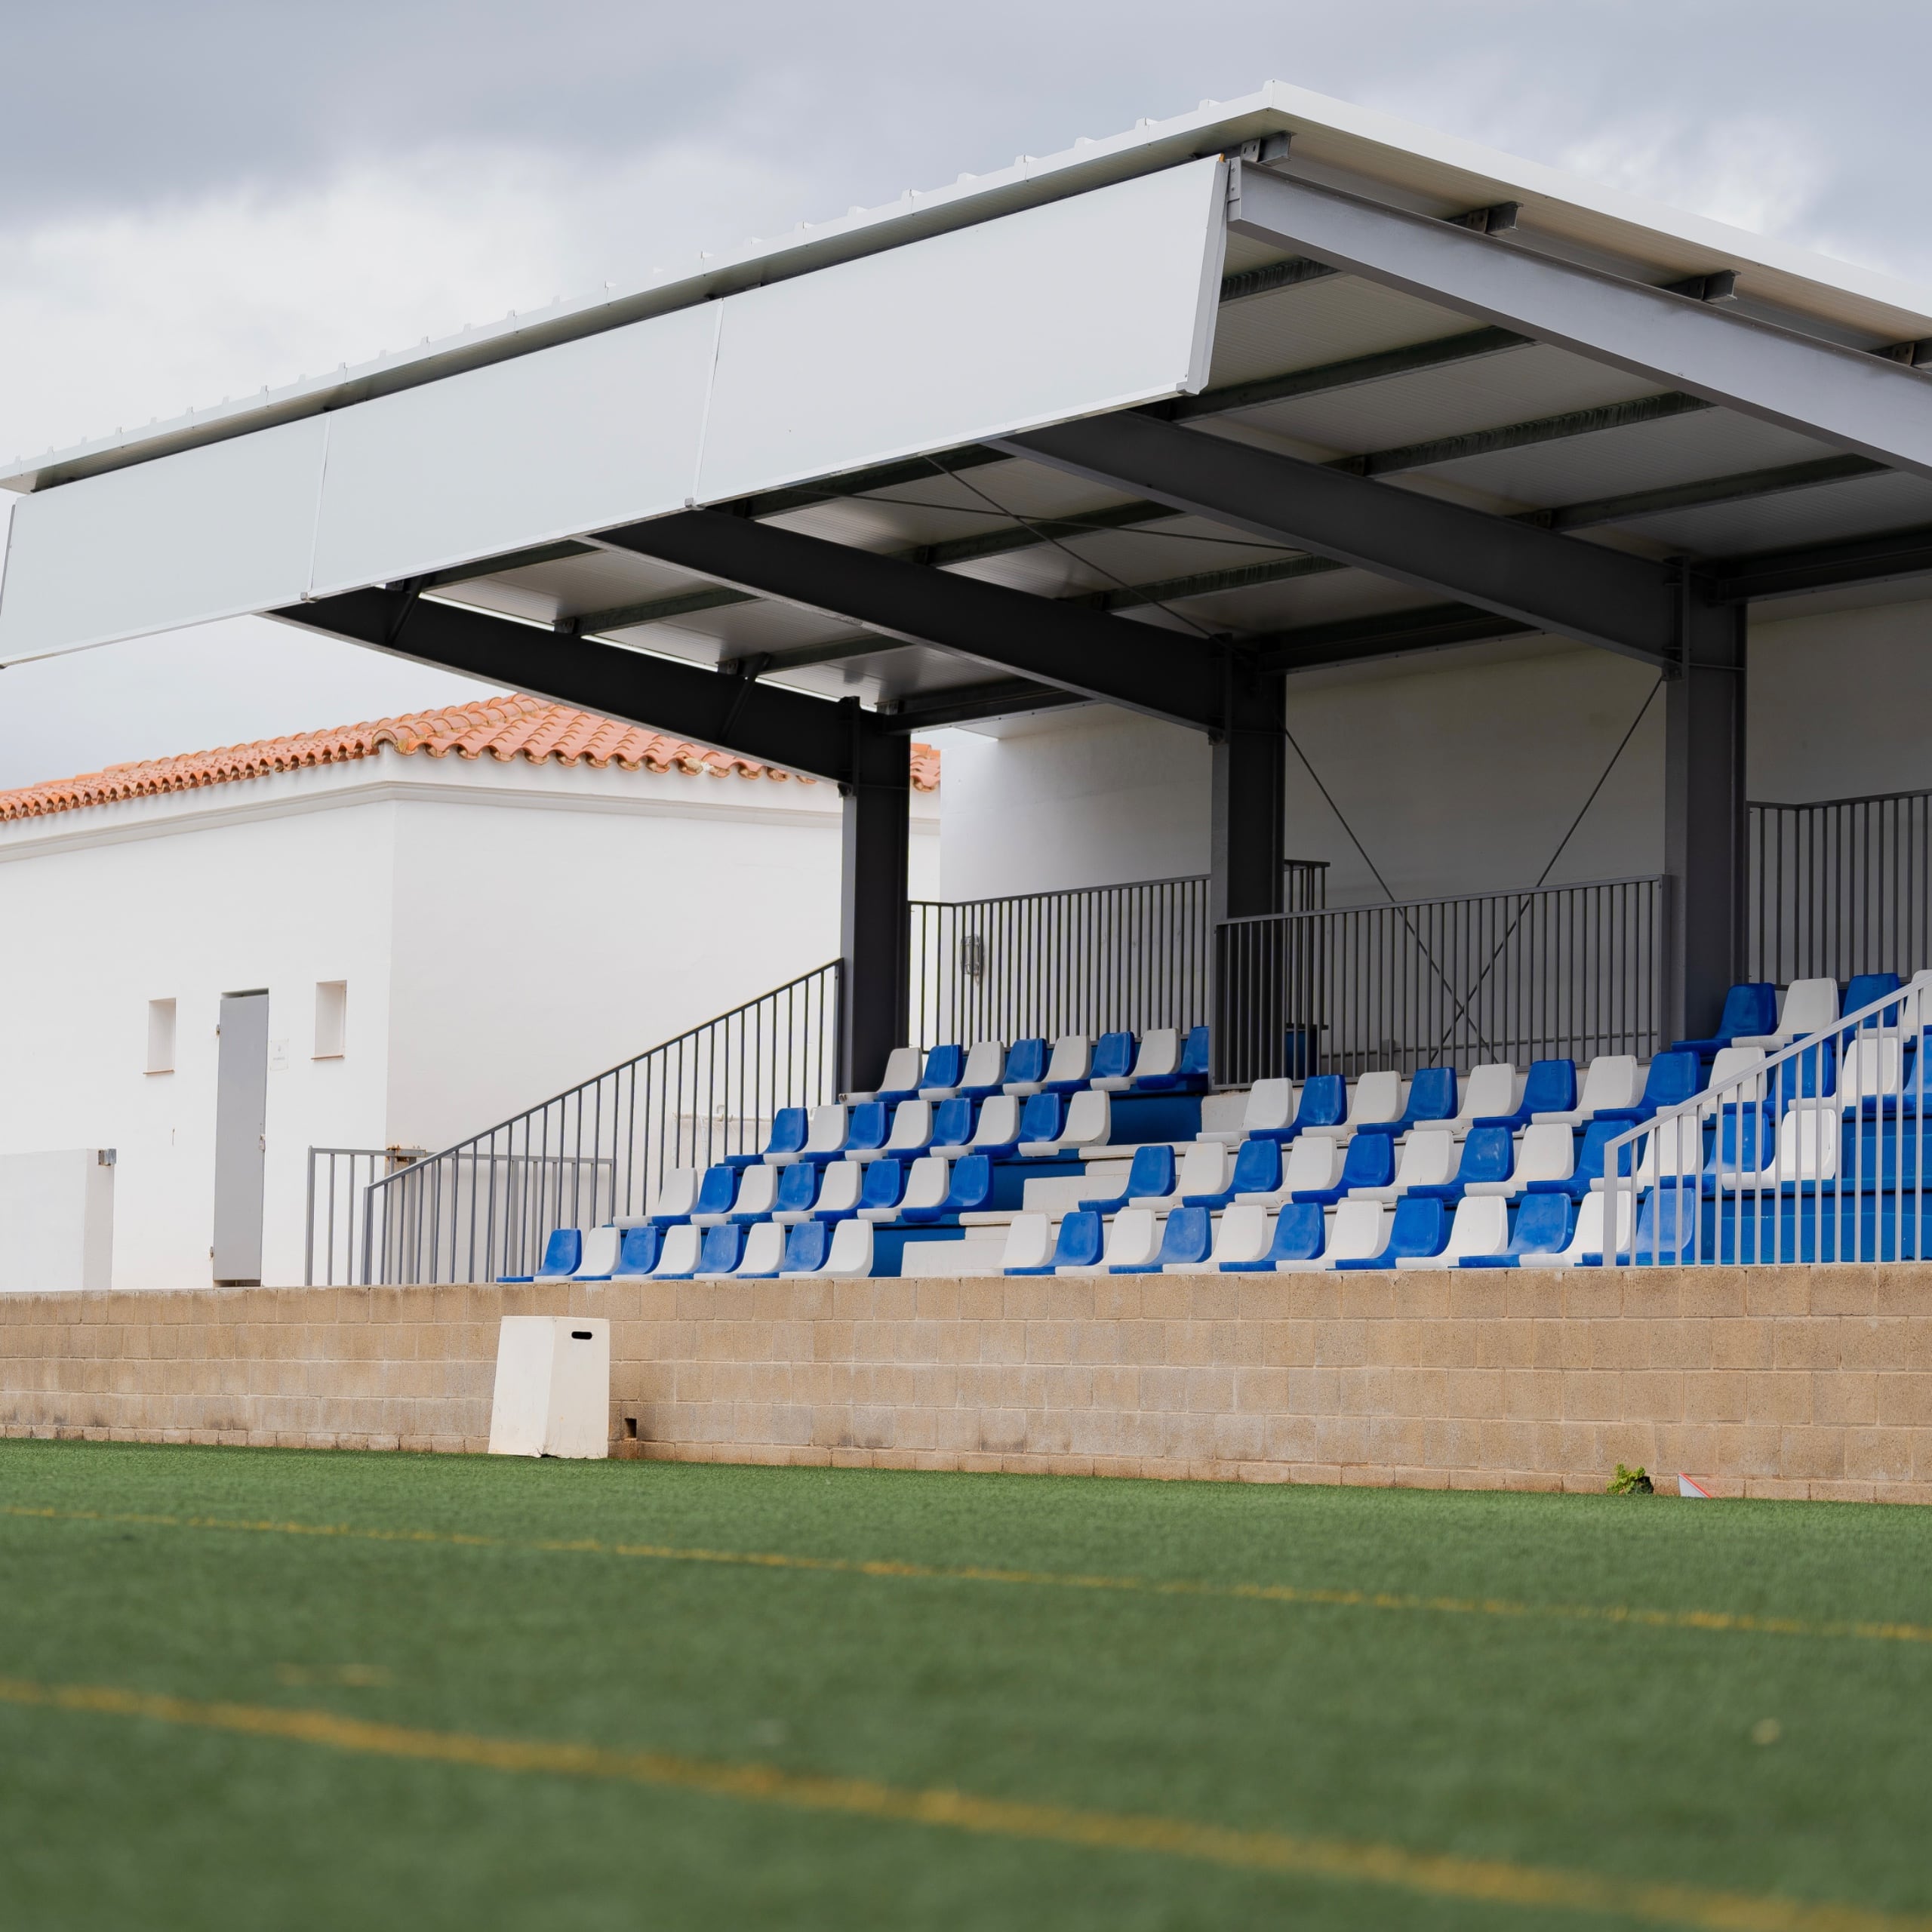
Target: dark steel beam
(514, 560)
(1178, 678)
(1582, 590)
(968, 704)
(837, 742)
(1392, 634)
(1853, 399)
(1788, 572)
(1525, 435)
(1745, 486)
(655, 609)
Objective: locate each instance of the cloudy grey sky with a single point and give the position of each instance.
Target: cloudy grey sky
(201, 197)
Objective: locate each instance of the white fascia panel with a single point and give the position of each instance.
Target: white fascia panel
(1095, 302)
(601, 431)
(213, 532)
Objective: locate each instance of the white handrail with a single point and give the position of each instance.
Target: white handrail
(1770, 1134)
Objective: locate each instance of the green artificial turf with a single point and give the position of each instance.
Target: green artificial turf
(1623, 1748)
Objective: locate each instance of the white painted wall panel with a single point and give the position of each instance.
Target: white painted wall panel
(1083, 305)
(208, 532)
(571, 438)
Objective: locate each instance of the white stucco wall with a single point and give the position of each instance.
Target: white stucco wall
(1459, 772)
(504, 931)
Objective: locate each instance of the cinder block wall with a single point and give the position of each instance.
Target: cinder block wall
(1802, 1382)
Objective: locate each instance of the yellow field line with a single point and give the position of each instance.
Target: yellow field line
(1442, 1875)
(1719, 1621)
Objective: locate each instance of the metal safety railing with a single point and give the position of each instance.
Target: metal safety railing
(339, 1181)
(1092, 959)
(1562, 971)
(1841, 886)
(485, 1207)
(1812, 1153)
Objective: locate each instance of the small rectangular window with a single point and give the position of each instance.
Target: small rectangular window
(161, 1036)
(331, 1018)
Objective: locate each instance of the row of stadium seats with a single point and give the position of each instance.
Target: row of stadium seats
(1160, 1062)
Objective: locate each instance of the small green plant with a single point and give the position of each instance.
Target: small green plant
(1630, 1482)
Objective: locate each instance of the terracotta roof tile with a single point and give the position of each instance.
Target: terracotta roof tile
(506, 727)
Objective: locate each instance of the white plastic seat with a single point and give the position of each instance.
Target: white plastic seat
(1201, 1169)
(1488, 1090)
(1358, 1231)
(1587, 1236)
(599, 1255)
(1242, 1234)
(758, 1189)
(1072, 1056)
(1672, 1151)
(1133, 1239)
(851, 1251)
(1160, 1053)
(1029, 1241)
(1546, 1151)
(1428, 1159)
(1373, 1099)
(1312, 1161)
(1869, 1069)
(678, 1254)
(1609, 1081)
(912, 1132)
(998, 1124)
(1270, 1110)
(926, 1183)
(1733, 1063)
(679, 1194)
(830, 1125)
(1807, 1006)
(1481, 1226)
(1089, 1121)
(1807, 1147)
(840, 1188)
(986, 1061)
(903, 1065)
(764, 1249)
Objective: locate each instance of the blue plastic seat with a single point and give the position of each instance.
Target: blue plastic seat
(715, 1193)
(1025, 1063)
(1078, 1245)
(1257, 1170)
(1152, 1172)
(1810, 1074)
(1421, 1227)
(1190, 1076)
(563, 1254)
(1542, 1227)
(1750, 1008)
(1489, 1153)
(884, 1184)
(722, 1247)
(637, 1253)
(969, 1189)
(1323, 1102)
(1864, 989)
(1674, 1078)
(944, 1064)
(1370, 1162)
(1113, 1057)
(798, 1189)
(871, 1121)
(1550, 1088)
(953, 1121)
(1432, 1097)
(1745, 1135)
(1301, 1234)
(788, 1135)
(1187, 1239)
(1041, 1117)
(806, 1246)
(1666, 1231)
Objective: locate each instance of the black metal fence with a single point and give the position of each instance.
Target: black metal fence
(1090, 960)
(1841, 887)
(1573, 970)
(483, 1208)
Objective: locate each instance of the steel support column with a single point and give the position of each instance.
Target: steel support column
(874, 916)
(1704, 818)
(1248, 794)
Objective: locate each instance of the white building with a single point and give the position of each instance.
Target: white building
(431, 922)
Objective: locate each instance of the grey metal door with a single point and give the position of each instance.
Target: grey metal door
(241, 1130)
